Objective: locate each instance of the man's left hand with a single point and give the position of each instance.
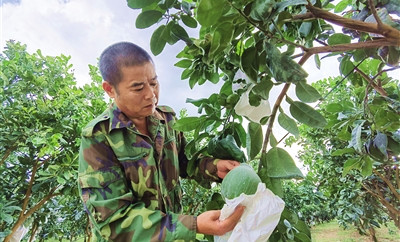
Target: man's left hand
(224, 166)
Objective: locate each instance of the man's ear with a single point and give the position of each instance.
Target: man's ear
(109, 89)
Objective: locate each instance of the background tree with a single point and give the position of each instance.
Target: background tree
(41, 116)
(349, 174)
(263, 39)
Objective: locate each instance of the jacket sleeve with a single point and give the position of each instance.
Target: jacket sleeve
(115, 213)
(205, 166)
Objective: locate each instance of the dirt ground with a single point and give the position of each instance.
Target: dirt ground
(331, 232)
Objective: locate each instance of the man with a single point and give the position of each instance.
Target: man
(131, 159)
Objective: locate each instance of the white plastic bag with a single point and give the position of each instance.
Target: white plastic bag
(253, 113)
(261, 216)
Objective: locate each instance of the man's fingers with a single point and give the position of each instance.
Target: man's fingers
(232, 164)
(215, 215)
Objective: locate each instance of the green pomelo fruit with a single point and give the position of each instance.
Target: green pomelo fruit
(242, 179)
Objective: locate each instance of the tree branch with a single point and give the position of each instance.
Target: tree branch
(391, 208)
(373, 10)
(390, 33)
(372, 83)
(29, 189)
(378, 88)
(386, 70)
(388, 183)
(305, 16)
(397, 177)
(8, 153)
(26, 215)
(43, 201)
(347, 47)
(272, 118)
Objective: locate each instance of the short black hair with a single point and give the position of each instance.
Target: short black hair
(122, 54)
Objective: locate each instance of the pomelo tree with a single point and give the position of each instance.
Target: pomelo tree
(41, 116)
(269, 41)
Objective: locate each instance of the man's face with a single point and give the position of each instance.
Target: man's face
(136, 95)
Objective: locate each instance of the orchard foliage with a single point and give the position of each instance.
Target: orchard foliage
(358, 170)
(42, 113)
(269, 41)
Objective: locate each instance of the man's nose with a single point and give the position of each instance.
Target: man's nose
(150, 92)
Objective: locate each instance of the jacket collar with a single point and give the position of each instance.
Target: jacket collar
(119, 120)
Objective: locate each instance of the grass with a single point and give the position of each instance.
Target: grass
(331, 232)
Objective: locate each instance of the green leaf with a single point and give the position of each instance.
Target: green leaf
(212, 77)
(188, 123)
(356, 137)
(261, 9)
(302, 237)
(197, 102)
(7, 218)
(167, 34)
(240, 134)
(186, 73)
(342, 5)
(307, 93)
(209, 11)
(280, 164)
(317, 61)
(307, 115)
(137, 4)
(283, 67)
(61, 180)
(148, 18)
(189, 21)
(288, 124)
(394, 146)
(221, 38)
(282, 17)
(334, 108)
(344, 134)
(157, 43)
(184, 63)
(166, 4)
(11, 209)
(284, 4)
(340, 152)
(366, 167)
(303, 228)
(338, 38)
(394, 56)
(248, 63)
(263, 88)
(186, 8)
(381, 142)
(305, 28)
(272, 140)
(273, 184)
(179, 32)
(195, 77)
(350, 164)
(254, 140)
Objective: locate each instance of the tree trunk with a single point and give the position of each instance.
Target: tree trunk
(372, 234)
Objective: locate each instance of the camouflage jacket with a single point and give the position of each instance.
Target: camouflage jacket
(129, 182)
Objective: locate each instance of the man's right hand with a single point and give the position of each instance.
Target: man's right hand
(209, 223)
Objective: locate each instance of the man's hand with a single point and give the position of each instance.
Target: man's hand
(224, 166)
(209, 223)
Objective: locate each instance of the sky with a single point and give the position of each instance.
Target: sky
(82, 29)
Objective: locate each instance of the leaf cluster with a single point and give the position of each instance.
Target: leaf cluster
(42, 114)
